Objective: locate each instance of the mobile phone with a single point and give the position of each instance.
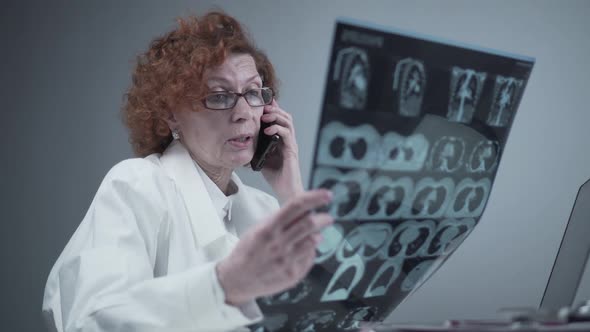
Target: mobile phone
(266, 145)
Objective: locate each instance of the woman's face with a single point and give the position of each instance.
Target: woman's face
(223, 139)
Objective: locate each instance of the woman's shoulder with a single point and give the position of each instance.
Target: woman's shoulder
(137, 173)
(135, 167)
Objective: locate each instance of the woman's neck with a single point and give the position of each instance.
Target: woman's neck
(219, 175)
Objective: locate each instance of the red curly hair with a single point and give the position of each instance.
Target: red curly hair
(172, 70)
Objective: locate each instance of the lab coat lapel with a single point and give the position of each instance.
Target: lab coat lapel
(243, 212)
(206, 224)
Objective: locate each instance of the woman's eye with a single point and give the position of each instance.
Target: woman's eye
(218, 98)
(253, 93)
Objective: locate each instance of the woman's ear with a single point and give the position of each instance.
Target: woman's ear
(172, 121)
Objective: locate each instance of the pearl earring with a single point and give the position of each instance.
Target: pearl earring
(176, 134)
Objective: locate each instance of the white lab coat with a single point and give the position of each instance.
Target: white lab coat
(143, 258)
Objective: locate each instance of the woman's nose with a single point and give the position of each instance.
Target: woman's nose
(242, 110)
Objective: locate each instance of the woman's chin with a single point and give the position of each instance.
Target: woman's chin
(242, 159)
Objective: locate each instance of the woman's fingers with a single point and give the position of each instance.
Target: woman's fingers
(273, 113)
(299, 206)
(304, 254)
(284, 247)
(280, 119)
(273, 107)
(281, 126)
(307, 226)
(317, 237)
(297, 262)
(284, 132)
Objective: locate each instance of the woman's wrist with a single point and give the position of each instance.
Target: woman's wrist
(289, 183)
(231, 294)
(289, 191)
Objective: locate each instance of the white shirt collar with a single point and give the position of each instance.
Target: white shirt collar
(221, 202)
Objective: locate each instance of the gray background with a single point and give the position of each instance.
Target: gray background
(65, 65)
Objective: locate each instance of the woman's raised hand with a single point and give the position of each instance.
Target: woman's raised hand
(277, 253)
(281, 168)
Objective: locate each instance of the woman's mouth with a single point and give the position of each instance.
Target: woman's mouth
(241, 142)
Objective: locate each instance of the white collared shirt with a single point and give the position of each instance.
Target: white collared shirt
(221, 202)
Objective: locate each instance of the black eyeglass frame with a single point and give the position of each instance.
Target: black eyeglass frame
(237, 97)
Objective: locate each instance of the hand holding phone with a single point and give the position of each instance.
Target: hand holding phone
(277, 155)
(265, 146)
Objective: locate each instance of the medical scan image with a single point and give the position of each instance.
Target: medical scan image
(409, 79)
(466, 87)
(410, 136)
(352, 71)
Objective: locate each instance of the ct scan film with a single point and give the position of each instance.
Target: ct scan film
(411, 135)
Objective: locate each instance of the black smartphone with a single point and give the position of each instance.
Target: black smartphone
(266, 145)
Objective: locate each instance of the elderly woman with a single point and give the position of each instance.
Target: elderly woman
(158, 249)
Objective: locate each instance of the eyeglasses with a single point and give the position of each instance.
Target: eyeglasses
(224, 100)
